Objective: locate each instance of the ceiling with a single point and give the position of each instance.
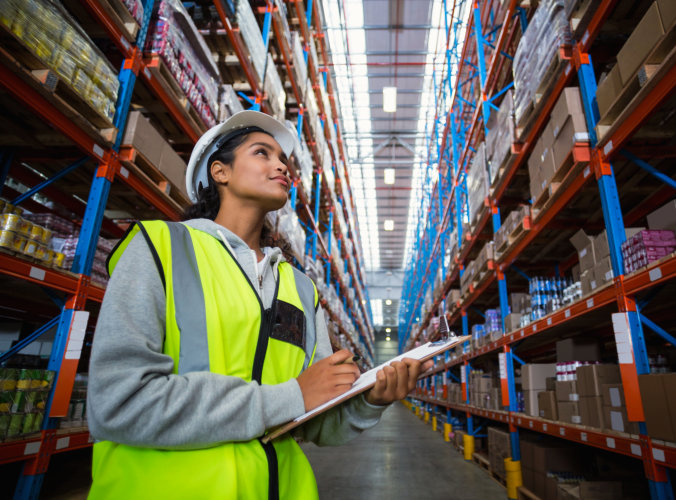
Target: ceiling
(375, 44)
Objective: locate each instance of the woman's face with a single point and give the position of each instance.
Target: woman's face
(258, 173)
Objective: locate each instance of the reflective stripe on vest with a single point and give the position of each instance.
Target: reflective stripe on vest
(216, 322)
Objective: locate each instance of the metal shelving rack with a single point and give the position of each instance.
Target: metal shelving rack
(35, 452)
(476, 86)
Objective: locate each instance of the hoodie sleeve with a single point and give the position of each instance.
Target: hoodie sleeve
(344, 422)
(135, 399)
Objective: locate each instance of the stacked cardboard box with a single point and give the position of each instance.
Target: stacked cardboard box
(566, 127)
(590, 382)
(664, 217)
(513, 220)
(659, 404)
(501, 135)
(651, 39)
(142, 136)
(498, 449)
(592, 490)
(615, 410)
(466, 278)
(534, 380)
(477, 183)
(594, 256)
(540, 458)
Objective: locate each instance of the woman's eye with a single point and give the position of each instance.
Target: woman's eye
(263, 151)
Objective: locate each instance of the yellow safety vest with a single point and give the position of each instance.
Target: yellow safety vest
(215, 321)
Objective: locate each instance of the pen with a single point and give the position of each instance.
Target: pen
(353, 359)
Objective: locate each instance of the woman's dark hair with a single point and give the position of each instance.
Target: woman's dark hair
(209, 202)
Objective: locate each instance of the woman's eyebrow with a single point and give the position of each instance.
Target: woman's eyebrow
(282, 156)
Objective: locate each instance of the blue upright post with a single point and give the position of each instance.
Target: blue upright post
(318, 185)
(660, 484)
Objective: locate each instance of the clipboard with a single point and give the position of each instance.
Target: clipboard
(368, 380)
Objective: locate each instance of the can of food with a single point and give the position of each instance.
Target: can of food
(19, 243)
(49, 256)
(36, 233)
(7, 239)
(12, 209)
(10, 222)
(40, 252)
(30, 247)
(59, 259)
(47, 235)
(25, 227)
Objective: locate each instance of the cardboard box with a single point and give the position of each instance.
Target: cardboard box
(603, 271)
(539, 483)
(608, 90)
(140, 134)
(569, 412)
(587, 281)
(530, 403)
(533, 376)
(658, 404)
(590, 490)
(576, 272)
(590, 378)
(641, 41)
(583, 243)
(571, 133)
(615, 419)
(569, 104)
(567, 391)
(518, 302)
(546, 155)
(613, 395)
(552, 457)
(173, 167)
(667, 13)
(512, 322)
(527, 457)
(547, 405)
(601, 247)
(498, 449)
(591, 411)
(664, 217)
(577, 349)
(527, 478)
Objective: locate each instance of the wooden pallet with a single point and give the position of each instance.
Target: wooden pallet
(133, 160)
(516, 235)
(121, 17)
(575, 162)
(634, 92)
(24, 64)
(482, 461)
(159, 70)
(525, 494)
(551, 75)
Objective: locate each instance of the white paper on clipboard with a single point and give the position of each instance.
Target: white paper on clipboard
(368, 380)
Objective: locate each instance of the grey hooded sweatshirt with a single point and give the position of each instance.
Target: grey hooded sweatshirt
(134, 398)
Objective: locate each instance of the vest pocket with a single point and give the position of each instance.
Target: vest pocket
(289, 324)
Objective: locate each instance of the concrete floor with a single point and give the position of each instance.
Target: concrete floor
(399, 458)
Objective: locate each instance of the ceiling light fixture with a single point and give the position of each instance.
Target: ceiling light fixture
(389, 99)
(387, 338)
(388, 302)
(389, 176)
(388, 225)
(388, 330)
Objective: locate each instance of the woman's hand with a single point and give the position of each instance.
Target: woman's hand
(327, 379)
(396, 381)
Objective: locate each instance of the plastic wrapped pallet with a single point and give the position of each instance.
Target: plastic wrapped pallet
(49, 32)
(275, 90)
(477, 183)
(229, 103)
(299, 64)
(176, 39)
(252, 36)
(546, 32)
(500, 136)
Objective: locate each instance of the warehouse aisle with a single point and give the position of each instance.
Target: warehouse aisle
(399, 458)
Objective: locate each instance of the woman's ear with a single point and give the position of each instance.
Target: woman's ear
(220, 172)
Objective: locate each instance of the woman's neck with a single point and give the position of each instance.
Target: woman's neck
(245, 222)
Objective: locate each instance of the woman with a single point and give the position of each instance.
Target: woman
(205, 341)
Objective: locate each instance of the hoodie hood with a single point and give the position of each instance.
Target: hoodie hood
(262, 280)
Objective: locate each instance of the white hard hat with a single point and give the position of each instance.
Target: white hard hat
(208, 143)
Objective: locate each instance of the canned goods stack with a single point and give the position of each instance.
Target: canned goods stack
(22, 236)
(23, 398)
(566, 372)
(547, 295)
